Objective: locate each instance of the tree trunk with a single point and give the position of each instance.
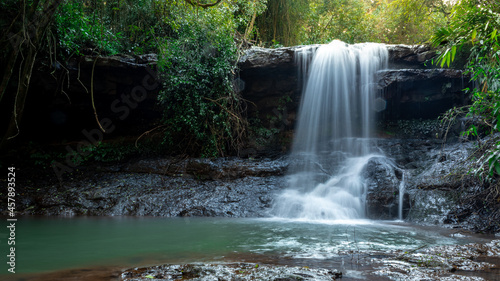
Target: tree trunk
(250, 26)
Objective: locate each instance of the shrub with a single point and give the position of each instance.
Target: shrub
(201, 110)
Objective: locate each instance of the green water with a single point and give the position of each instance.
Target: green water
(51, 244)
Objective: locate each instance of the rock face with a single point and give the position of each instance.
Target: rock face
(162, 187)
(409, 56)
(421, 93)
(384, 180)
(408, 90)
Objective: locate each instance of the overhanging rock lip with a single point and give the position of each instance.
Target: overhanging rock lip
(389, 76)
(116, 61)
(399, 54)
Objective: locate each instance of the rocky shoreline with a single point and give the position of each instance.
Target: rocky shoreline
(470, 262)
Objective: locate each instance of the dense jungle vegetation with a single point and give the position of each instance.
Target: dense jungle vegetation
(199, 41)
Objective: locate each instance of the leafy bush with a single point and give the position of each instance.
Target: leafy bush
(79, 29)
(201, 110)
(110, 27)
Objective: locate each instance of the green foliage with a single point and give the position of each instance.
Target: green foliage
(346, 20)
(474, 29)
(113, 26)
(280, 24)
(321, 21)
(244, 10)
(78, 29)
(413, 21)
(200, 107)
(197, 59)
(140, 23)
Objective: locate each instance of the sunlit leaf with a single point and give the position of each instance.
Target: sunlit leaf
(453, 52)
(443, 58)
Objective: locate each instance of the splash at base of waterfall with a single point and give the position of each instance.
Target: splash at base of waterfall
(340, 198)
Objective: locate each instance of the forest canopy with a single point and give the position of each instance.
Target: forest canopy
(290, 22)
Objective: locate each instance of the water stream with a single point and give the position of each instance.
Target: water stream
(333, 139)
(402, 189)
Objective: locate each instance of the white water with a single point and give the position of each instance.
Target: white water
(402, 189)
(332, 142)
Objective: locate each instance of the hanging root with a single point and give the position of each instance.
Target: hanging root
(92, 95)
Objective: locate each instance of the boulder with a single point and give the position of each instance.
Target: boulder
(403, 56)
(384, 182)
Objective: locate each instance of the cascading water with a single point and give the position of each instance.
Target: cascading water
(332, 140)
(402, 189)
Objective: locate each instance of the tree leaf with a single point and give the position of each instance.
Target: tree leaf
(497, 167)
(453, 52)
(443, 58)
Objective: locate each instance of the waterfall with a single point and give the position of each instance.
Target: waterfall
(402, 189)
(332, 141)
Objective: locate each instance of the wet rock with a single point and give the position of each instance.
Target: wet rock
(440, 263)
(257, 57)
(383, 180)
(402, 56)
(220, 168)
(399, 56)
(116, 61)
(469, 262)
(416, 131)
(439, 187)
(233, 271)
(232, 191)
